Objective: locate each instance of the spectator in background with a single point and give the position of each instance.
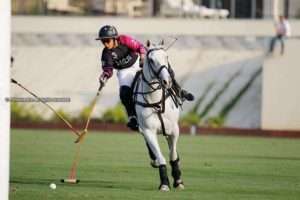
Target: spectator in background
(283, 29)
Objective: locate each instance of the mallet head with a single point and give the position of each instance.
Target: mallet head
(81, 136)
(70, 180)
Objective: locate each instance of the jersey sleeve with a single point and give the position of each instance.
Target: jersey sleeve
(132, 43)
(107, 64)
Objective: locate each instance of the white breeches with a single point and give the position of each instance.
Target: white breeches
(126, 76)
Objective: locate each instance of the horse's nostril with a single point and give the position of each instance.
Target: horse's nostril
(165, 82)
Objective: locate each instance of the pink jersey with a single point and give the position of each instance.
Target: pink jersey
(123, 56)
(131, 43)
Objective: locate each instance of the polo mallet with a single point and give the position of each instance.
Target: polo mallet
(93, 103)
(50, 107)
(72, 176)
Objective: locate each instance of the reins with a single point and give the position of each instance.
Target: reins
(159, 106)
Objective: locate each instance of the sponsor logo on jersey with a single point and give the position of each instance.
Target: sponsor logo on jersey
(114, 55)
(124, 61)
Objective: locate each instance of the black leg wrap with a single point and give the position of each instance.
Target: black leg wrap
(126, 99)
(176, 173)
(164, 180)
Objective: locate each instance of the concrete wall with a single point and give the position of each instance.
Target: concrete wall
(154, 26)
(60, 51)
(281, 93)
(63, 59)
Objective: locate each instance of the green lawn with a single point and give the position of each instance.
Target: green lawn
(116, 167)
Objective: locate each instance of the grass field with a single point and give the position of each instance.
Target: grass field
(116, 167)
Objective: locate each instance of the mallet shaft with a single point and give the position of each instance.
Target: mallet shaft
(45, 103)
(93, 104)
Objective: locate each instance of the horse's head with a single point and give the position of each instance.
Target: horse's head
(157, 64)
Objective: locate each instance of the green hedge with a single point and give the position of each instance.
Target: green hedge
(115, 115)
(22, 113)
(191, 118)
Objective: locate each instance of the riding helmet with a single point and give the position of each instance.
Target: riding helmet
(107, 31)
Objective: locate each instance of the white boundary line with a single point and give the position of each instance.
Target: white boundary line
(5, 22)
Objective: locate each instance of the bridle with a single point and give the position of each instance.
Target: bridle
(151, 69)
(159, 106)
(154, 85)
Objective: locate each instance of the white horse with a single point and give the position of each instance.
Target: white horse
(157, 112)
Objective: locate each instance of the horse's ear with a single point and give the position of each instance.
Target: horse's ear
(162, 42)
(148, 43)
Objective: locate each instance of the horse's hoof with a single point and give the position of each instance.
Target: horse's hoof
(164, 188)
(154, 163)
(179, 187)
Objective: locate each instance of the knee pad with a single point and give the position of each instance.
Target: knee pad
(125, 95)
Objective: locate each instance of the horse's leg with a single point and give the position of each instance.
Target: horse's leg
(153, 162)
(151, 139)
(174, 159)
(173, 155)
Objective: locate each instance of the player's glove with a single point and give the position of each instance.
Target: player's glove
(103, 78)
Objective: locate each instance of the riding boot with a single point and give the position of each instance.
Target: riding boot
(132, 123)
(127, 101)
(185, 95)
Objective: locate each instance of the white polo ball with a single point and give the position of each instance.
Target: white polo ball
(52, 186)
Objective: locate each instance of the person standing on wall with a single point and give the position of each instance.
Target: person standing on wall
(283, 30)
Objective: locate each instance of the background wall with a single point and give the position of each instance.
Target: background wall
(281, 94)
(219, 61)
